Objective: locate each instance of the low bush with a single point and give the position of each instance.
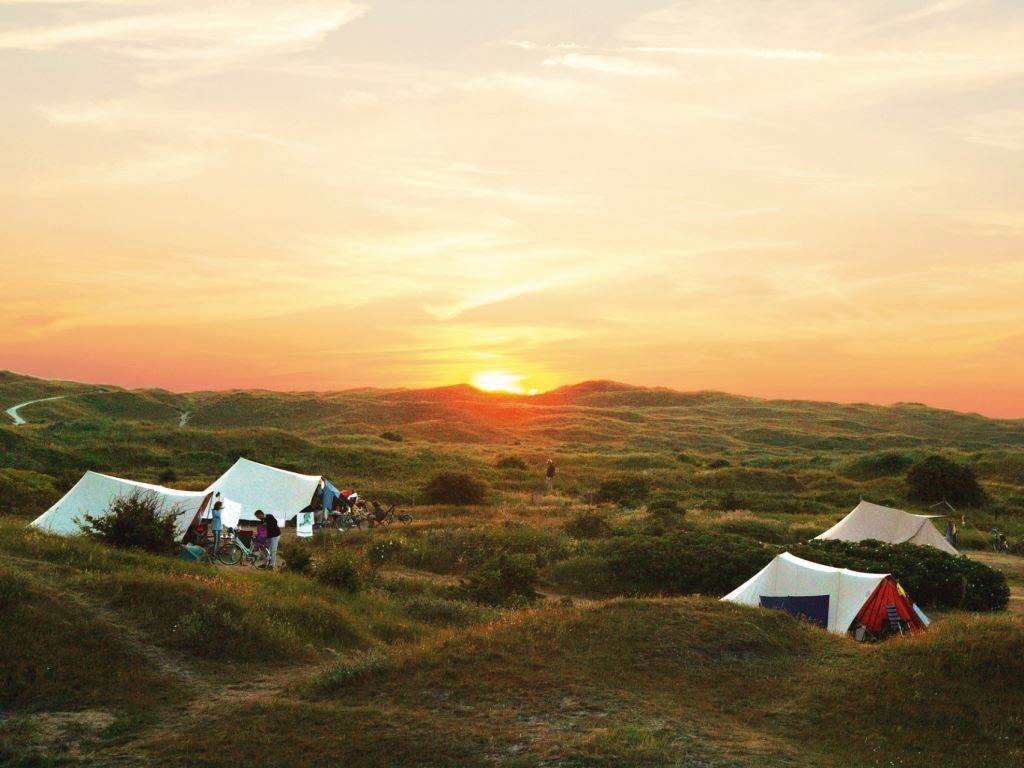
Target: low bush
(685, 458)
(135, 521)
(625, 490)
(394, 437)
(684, 561)
(511, 462)
(588, 525)
(444, 612)
(872, 466)
(504, 580)
(167, 476)
(298, 558)
(385, 550)
(26, 493)
(341, 570)
(719, 464)
(454, 488)
(937, 479)
(931, 577)
(666, 509)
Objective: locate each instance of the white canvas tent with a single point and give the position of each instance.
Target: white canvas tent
(836, 595)
(93, 494)
(256, 486)
(894, 526)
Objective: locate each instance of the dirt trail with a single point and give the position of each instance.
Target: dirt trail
(1012, 566)
(13, 410)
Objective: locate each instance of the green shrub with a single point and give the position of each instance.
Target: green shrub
(937, 479)
(394, 437)
(341, 570)
(385, 550)
(454, 488)
(666, 509)
(719, 464)
(26, 493)
(685, 458)
(504, 580)
(511, 462)
(167, 476)
(875, 465)
(443, 611)
(625, 490)
(684, 561)
(767, 531)
(931, 577)
(298, 558)
(588, 525)
(135, 521)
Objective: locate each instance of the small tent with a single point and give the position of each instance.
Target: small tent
(830, 597)
(93, 494)
(257, 486)
(893, 526)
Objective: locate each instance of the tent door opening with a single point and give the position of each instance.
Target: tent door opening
(812, 608)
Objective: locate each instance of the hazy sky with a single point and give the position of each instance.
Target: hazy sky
(787, 198)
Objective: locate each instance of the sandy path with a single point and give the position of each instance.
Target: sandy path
(13, 410)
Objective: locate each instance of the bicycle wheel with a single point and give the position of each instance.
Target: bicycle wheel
(230, 554)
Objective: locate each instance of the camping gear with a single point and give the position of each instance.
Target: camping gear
(191, 553)
(892, 526)
(94, 493)
(279, 492)
(832, 598)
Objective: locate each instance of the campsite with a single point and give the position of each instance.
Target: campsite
(581, 627)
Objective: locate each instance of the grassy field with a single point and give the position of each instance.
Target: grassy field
(114, 658)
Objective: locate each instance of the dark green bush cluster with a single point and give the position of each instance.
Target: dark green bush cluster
(298, 558)
(135, 521)
(937, 479)
(23, 492)
(456, 550)
(167, 476)
(454, 488)
(931, 577)
(874, 465)
(341, 570)
(588, 525)
(504, 580)
(625, 490)
(511, 462)
(719, 464)
(666, 508)
(685, 561)
(394, 437)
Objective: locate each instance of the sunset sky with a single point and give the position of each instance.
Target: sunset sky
(783, 198)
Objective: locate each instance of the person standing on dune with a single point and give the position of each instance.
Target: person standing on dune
(549, 476)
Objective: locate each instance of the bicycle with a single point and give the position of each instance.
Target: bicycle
(258, 555)
(382, 517)
(225, 552)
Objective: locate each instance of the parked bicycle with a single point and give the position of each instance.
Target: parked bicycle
(385, 517)
(998, 542)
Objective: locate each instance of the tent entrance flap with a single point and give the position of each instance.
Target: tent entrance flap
(812, 608)
(873, 615)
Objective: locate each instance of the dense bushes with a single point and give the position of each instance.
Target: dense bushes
(393, 437)
(298, 558)
(625, 490)
(455, 550)
(938, 479)
(588, 525)
(26, 493)
(453, 488)
(682, 562)
(136, 521)
(931, 577)
(666, 509)
(506, 580)
(511, 462)
(874, 465)
(341, 570)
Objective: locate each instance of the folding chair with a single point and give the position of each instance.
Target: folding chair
(896, 623)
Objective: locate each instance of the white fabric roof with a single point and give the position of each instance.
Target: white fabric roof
(257, 486)
(93, 494)
(790, 576)
(871, 521)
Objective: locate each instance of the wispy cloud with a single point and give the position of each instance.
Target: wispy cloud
(610, 65)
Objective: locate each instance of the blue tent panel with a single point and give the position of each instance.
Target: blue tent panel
(813, 608)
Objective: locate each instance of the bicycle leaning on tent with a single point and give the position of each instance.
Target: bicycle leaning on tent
(247, 553)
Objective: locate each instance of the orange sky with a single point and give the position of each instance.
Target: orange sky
(785, 198)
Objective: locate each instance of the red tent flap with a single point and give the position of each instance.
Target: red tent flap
(888, 592)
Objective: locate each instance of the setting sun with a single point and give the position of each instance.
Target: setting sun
(498, 381)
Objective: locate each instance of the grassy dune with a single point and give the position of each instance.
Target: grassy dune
(115, 658)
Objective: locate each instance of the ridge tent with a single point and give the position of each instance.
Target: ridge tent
(893, 526)
(829, 597)
(94, 492)
(253, 486)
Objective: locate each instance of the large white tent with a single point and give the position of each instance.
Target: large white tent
(831, 597)
(257, 486)
(894, 526)
(94, 492)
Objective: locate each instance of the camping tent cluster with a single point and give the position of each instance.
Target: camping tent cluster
(244, 488)
(893, 526)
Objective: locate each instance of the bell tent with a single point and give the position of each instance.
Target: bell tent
(829, 597)
(254, 486)
(94, 493)
(893, 526)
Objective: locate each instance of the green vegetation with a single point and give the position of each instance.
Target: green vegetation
(134, 522)
(575, 628)
(937, 479)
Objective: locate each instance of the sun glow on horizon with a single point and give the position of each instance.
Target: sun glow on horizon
(500, 381)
